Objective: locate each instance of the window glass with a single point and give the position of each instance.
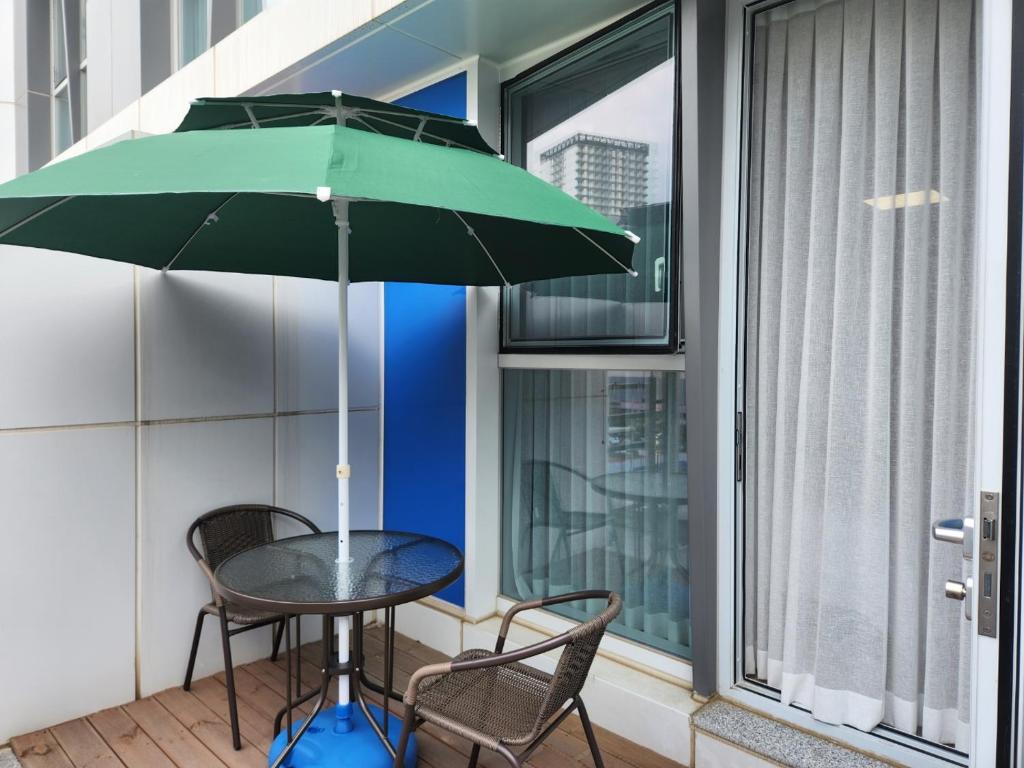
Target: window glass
(58, 48)
(193, 29)
(594, 495)
(599, 125)
(61, 121)
(82, 11)
(250, 8)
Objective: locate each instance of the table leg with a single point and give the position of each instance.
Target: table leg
(357, 692)
(325, 682)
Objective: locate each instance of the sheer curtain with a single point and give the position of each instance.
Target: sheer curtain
(594, 494)
(861, 359)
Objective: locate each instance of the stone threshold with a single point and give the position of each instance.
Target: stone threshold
(775, 741)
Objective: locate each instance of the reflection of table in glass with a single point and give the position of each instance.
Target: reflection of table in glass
(654, 533)
(301, 575)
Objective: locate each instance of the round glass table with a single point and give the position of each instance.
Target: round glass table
(302, 575)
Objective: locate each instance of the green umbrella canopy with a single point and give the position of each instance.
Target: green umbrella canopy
(285, 110)
(246, 201)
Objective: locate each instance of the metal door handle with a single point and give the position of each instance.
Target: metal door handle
(959, 530)
(963, 591)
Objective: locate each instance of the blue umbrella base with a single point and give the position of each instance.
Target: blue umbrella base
(322, 746)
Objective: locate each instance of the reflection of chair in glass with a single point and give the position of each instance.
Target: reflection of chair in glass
(556, 499)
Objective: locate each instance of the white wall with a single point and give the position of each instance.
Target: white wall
(236, 379)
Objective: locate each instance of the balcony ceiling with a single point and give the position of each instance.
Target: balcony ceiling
(417, 38)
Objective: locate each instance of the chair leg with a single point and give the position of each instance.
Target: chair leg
(195, 650)
(403, 740)
(229, 677)
(509, 757)
(474, 756)
(589, 730)
(277, 640)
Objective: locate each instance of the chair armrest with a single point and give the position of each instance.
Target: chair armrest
(506, 622)
(468, 665)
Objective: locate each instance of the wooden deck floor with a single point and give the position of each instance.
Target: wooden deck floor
(179, 729)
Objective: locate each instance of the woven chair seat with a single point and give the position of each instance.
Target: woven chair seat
(238, 614)
(488, 706)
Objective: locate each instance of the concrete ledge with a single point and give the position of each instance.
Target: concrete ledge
(741, 737)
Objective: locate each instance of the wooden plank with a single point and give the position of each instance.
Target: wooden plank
(184, 749)
(84, 746)
(252, 724)
(215, 734)
(620, 747)
(40, 749)
(129, 742)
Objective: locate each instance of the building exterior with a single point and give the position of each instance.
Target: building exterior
(609, 175)
(734, 439)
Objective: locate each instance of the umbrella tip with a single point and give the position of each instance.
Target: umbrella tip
(634, 273)
(323, 194)
(634, 239)
(501, 156)
(471, 122)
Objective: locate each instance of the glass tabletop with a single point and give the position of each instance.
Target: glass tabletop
(302, 574)
(640, 484)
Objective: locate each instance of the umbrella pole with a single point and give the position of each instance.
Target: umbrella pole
(344, 708)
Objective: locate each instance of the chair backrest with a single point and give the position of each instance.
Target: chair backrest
(576, 659)
(550, 488)
(229, 530)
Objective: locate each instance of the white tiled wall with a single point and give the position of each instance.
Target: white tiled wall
(66, 339)
(187, 469)
(206, 344)
(213, 349)
(67, 505)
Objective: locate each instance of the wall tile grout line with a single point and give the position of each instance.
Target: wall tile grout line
(182, 420)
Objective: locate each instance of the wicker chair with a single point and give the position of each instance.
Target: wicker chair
(225, 532)
(497, 702)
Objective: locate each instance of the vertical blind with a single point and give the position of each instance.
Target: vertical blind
(594, 494)
(860, 361)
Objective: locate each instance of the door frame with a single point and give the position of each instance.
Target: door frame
(993, 163)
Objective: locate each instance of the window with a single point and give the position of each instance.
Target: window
(595, 496)
(250, 8)
(193, 29)
(599, 123)
(59, 93)
(83, 84)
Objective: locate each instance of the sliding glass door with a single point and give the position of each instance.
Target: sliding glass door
(868, 356)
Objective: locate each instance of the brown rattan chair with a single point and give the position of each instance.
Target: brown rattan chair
(224, 532)
(497, 702)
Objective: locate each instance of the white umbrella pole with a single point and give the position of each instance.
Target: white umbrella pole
(344, 709)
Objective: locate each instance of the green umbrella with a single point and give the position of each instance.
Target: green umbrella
(282, 110)
(400, 196)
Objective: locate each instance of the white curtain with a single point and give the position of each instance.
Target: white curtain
(861, 359)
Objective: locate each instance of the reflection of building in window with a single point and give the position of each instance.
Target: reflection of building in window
(607, 174)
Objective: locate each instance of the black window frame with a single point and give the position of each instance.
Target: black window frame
(675, 343)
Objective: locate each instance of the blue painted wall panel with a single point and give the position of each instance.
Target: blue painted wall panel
(425, 389)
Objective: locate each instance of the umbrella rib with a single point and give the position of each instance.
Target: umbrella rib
(259, 123)
(627, 270)
(358, 119)
(433, 118)
(210, 218)
(472, 233)
(442, 139)
(34, 216)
